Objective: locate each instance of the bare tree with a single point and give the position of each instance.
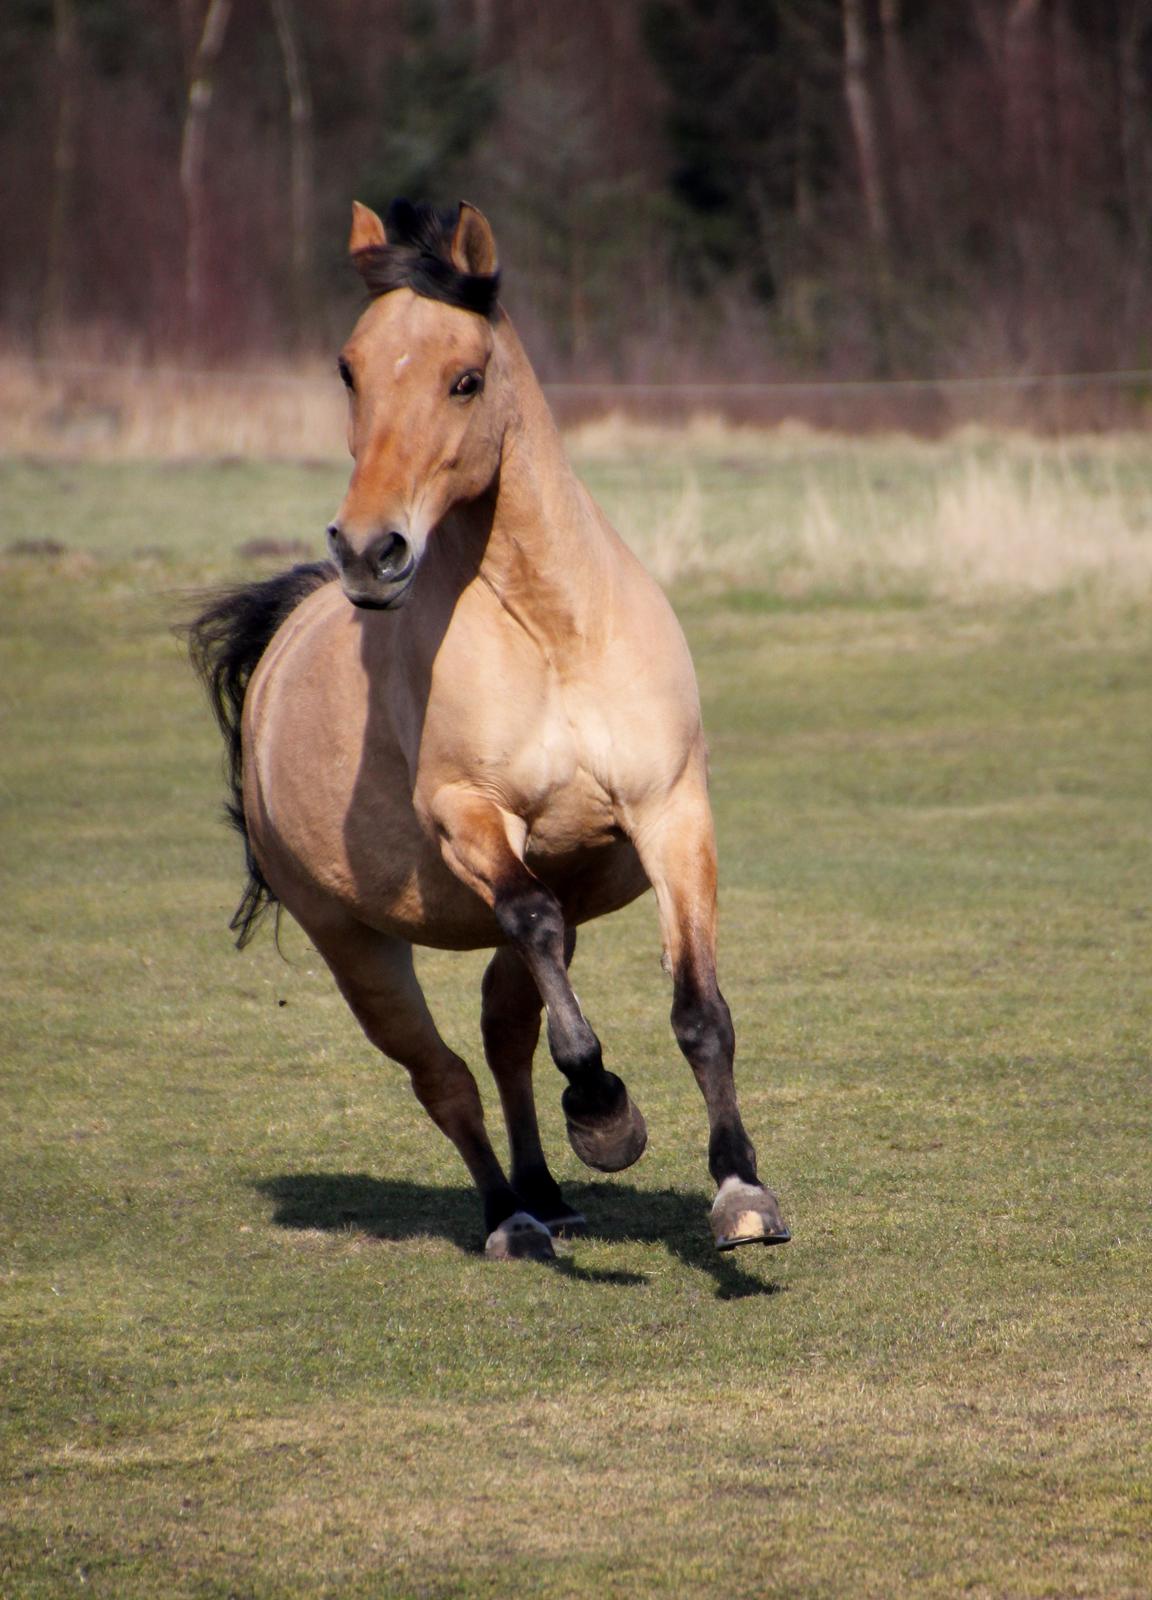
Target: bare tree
(1136, 138)
(301, 161)
(865, 125)
(193, 147)
(902, 120)
(54, 305)
(482, 24)
(1028, 142)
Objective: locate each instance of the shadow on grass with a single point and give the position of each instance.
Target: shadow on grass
(393, 1209)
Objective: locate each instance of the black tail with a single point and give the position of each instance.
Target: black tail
(225, 642)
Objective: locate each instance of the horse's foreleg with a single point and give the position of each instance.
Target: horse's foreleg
(377, 978)
(483, 846)
(510, 1024)
(677, 846)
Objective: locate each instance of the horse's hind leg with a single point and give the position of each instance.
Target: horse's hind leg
(376, 976)
(510, 1024)
(483, 846)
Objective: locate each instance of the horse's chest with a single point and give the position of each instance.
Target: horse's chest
(573, 816)
(556, 783)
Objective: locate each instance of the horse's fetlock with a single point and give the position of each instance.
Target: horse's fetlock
(731, 1154)
(587, 1066)
(579, 1058)
(593, 1092)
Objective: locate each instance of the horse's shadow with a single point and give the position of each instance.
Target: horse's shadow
(394, 1209)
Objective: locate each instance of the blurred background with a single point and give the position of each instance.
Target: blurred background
(685, 192)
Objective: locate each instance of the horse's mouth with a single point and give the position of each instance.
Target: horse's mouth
(393, 602)
(392, 597)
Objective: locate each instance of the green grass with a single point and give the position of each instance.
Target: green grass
(250, 1345)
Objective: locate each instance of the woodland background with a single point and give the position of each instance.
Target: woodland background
(683, 190)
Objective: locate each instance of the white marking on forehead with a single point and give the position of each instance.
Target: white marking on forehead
(402, 363)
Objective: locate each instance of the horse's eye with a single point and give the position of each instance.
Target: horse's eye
(345, 372)
(468, 384)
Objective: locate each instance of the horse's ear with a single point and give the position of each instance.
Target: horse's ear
(367, 229)
(473, 247)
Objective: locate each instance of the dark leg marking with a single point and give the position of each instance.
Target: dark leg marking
(744, 1212)
(605, 1128)
(702, 1024)
(510, 1025)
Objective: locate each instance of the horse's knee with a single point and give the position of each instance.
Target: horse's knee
(448, 1093)
(532, 921)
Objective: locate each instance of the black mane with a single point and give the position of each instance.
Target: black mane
(418, 257)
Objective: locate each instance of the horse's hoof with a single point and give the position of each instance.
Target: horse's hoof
(610, 1141)
(746, 1213)
(520, 1238)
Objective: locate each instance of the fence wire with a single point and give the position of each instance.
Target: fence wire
(1131, 377)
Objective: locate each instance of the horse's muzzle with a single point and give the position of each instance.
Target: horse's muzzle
(377, 577)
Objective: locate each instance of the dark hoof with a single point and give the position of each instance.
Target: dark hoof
(520, 1238)
(746, 1213)
(611, 1140)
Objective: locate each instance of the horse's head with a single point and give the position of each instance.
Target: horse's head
(426, 425)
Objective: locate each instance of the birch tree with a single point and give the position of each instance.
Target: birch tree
(193, 151)
(301, 161)
(62, 205)
(865, 123)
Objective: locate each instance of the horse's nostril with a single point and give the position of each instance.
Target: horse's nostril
(389, 556)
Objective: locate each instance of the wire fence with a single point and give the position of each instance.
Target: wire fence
(1134, 377)
(51, 404)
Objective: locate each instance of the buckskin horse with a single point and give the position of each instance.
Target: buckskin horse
(476, 725)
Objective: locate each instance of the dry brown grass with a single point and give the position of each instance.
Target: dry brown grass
(966, 519)
(992, 532)
(91, 411)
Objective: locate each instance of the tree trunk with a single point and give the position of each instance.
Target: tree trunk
(301, 161)
(1136, 147)
(58, 257)
(865, 128)
(193, 147)
(901, 122)
(482, 26)
(1028, 144)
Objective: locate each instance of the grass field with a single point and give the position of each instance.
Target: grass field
(251, 1348)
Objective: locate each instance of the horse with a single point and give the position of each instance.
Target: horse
(476, 725)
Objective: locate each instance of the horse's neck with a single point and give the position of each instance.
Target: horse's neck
(549, 554)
